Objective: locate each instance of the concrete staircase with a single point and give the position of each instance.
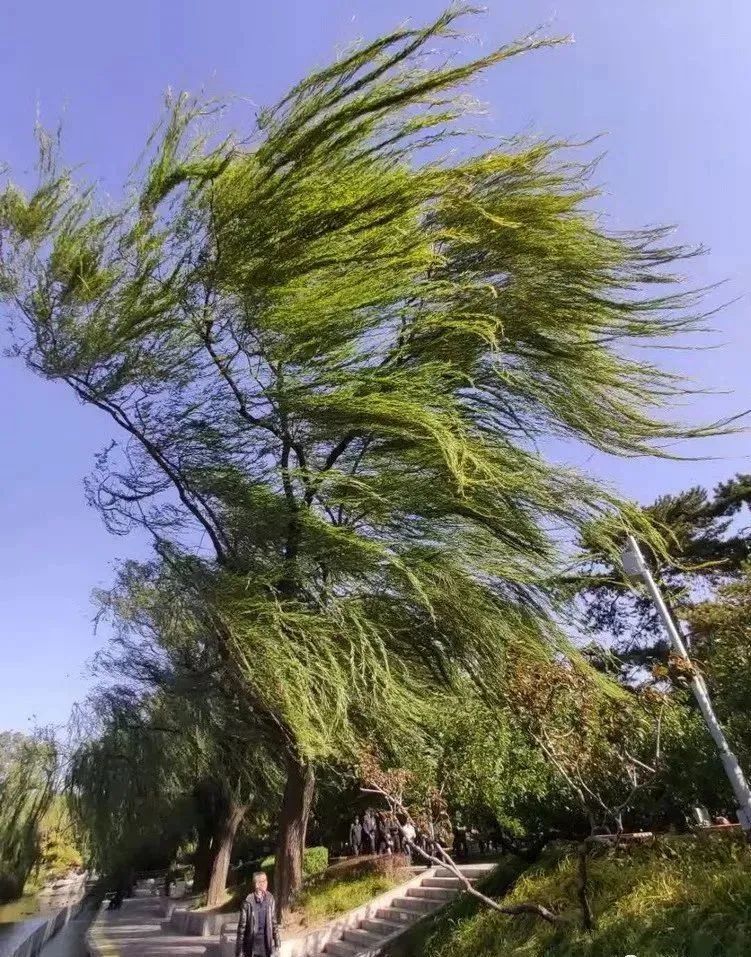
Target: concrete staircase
(433, 892)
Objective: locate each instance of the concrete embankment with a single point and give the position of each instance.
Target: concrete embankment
(56, 930)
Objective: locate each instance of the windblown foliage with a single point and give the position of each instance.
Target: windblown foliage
(28, 778)
(721, 631)
(170, 744)
(330, 348)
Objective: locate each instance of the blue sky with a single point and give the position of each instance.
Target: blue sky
(667, 82)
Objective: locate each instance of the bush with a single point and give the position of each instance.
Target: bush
(11, 887)
(315, 861)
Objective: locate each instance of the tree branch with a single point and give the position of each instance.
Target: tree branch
(443, 859)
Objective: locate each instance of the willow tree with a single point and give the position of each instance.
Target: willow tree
(174, 750)
(29, 777)
(330, 347)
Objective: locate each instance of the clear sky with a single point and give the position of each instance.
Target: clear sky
(667, 81)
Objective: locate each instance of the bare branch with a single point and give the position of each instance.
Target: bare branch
(441, 858)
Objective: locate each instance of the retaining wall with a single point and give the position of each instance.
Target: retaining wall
(32, 935)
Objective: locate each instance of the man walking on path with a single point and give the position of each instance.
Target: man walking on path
(258, 928)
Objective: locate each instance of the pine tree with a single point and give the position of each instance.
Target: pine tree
(704, 545)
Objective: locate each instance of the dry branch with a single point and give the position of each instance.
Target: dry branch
(441, 858)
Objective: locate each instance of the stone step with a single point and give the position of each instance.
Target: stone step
(418, 904)
(468, 870)
(341, 948)
(363, 938)
(184, 950)
(438, 894)
(381, 926)
(394, 913)
(451, 882)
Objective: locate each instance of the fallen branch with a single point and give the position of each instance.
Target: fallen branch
(441, 858)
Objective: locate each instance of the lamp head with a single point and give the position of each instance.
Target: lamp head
(632, 559)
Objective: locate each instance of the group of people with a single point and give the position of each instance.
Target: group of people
(375, 832)
(379, 832)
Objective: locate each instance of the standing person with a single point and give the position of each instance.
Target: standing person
(461, 845)
(369, 832)
(355, 837)
(258, 928)
(410, 836)
(443, 834)
(395, 836)
(380, 834)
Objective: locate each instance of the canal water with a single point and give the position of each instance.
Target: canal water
(21, 909)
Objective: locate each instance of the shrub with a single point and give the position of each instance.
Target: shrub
(315, 861)
(11, 887)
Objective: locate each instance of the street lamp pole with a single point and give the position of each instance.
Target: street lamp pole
(634, 565)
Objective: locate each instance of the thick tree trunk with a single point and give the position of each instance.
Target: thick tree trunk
(293, 826)
(224, 838)
(203, 858)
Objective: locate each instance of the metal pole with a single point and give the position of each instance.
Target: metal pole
(635, 564)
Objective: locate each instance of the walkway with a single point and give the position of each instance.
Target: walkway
(70, 942)
(136, 931)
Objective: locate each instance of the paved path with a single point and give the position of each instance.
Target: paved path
(69, 942)
(136, 931)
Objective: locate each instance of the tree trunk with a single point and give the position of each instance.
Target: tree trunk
(224, 838)
(293, 825)
(203, 858)
(582, 886)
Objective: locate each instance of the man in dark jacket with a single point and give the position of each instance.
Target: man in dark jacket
(355, 837)
(258, 928)
(369, 832)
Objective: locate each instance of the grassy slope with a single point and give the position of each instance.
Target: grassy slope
(336, 894)
(428, 936)
(680, 897)
(338, 889)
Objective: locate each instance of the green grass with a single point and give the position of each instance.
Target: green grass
(327, 894)
(335, 895)
(19, 909)
(315, 861)
(678, 897)
(428, 935)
